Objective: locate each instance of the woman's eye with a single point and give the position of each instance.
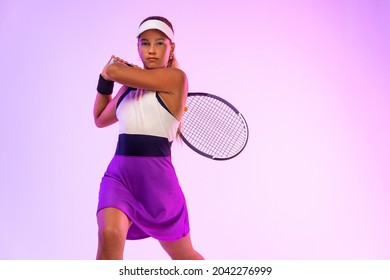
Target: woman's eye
(145, 44)
(160, 43)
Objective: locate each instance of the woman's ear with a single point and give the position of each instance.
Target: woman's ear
(172, 49)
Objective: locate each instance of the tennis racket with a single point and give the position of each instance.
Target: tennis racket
(213, 127)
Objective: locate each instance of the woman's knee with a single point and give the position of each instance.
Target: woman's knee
(110, 234)
(113, 225)
(190, 254)
(181, 249)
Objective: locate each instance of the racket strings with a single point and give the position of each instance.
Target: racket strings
(213, 127)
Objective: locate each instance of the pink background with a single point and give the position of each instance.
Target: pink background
(311, 78)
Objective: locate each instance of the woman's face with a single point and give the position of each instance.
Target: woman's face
(154, 49)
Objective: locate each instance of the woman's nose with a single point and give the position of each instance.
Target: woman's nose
(151, 49)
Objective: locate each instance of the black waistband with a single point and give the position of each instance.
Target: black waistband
(143, 145)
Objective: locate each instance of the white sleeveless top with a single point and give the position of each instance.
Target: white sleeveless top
(146, 116)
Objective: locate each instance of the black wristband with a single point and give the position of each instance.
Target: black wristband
(105, 87)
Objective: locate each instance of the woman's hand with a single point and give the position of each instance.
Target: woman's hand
(112, 60)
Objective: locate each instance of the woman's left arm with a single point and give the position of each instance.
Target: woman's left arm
(170, 80)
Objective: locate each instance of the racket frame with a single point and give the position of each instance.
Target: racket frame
(231, 107)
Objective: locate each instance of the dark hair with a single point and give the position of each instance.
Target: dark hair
(163, 19)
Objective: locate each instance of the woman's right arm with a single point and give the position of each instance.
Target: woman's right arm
(105, 108)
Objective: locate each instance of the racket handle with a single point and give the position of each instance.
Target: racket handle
(112, 61)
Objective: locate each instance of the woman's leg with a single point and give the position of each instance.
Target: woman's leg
(113, 226)
(181, 249)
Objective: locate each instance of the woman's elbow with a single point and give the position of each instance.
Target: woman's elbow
(99, 123)
(104, 122)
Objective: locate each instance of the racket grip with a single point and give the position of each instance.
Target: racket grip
(112, 61)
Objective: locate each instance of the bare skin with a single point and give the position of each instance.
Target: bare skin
(113, 226)
(181, 249)
(155, 51)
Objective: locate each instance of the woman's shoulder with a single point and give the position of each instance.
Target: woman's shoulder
(181, 75)
(178, 72)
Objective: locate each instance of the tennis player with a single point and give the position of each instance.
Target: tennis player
(140, 195)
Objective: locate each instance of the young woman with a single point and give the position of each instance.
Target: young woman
(140, 195)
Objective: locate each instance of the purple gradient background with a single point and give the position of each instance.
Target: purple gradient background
(311, 78)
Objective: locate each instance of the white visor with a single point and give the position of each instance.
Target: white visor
(156, 24)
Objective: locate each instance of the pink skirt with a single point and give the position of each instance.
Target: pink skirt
(147, 190)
